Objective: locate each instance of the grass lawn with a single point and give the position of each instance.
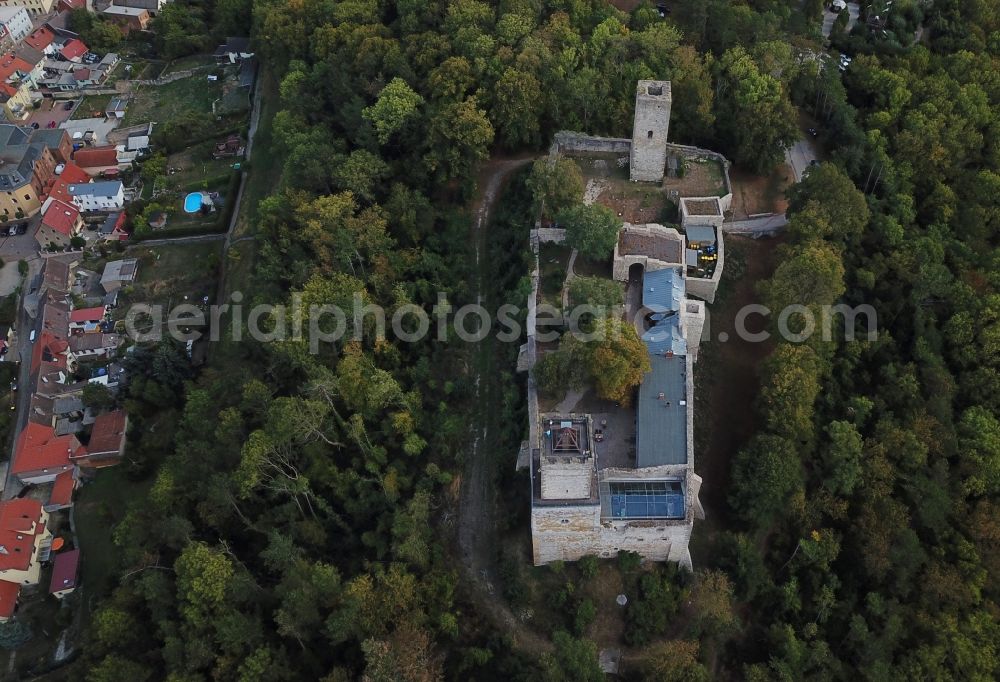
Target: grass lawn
(163, 102)
(168, 273)
(196, 164)
(552, 260)
(191, 62)
(100, 505)
(90, 105)
(267, 161)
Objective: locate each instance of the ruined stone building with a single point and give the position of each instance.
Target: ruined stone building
(611, 478)
(600, 488)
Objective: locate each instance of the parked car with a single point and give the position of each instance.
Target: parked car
(31, 337)
(52, 124)
(35, 125)
(68, 105)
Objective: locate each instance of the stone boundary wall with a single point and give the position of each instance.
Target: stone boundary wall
(689, 152)
(567, 141)
(532, 353)
(570, 142)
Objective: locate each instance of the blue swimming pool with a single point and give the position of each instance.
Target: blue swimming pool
(193, 202)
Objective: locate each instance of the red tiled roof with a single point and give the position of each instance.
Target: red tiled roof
(20, 521)
(87, 314)
(108, 433)
(41, 38)
(73, 174)
(64, 571)
(73, 49)
(39, 448)
(74, 4)
(96, 157)
(8, 597)
(82, 74)
(50, 349)
(60, 190)
(61, 217)
(9, 64)
(62, 490)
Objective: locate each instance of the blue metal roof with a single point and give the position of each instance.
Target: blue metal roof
(646, 500)
(661, 413)
(665, 337)
(663, 290)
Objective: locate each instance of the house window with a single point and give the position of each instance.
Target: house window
(27, 197)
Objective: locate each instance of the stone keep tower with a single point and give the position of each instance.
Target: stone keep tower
(649, 131)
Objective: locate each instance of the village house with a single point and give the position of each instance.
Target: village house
(61, 494)
(107, 439)
(128, 19)
(86, 320)
(65, 572)
(97, 160)
(73, 50)
(35, 8)
(42, 39)
(113, 227)
(57, 141)
(99, 345)
(119, 273)
(17, 87)
(28, 166)
(25, 543)
(15, 22)
(61, 222)
(40, 455)
(107, 195)
(151, 6)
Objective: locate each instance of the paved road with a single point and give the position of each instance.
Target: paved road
(24, 326)
(801, 154)
(477, 521)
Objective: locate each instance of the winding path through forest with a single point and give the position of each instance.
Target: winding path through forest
(477, 538)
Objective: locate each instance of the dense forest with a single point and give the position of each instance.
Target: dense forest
(299, 524)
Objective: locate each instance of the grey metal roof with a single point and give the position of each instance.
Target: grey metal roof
(109, 223)
(661, 422)
(663, 290)
(700, 233)
(108, 188)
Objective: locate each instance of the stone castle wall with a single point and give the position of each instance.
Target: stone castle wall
(572, 532)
